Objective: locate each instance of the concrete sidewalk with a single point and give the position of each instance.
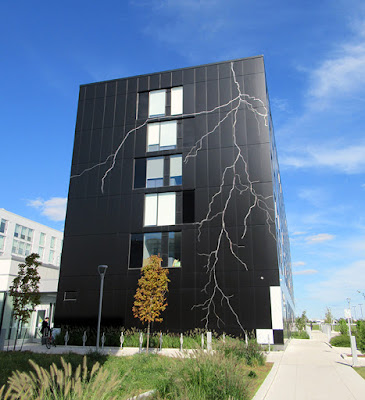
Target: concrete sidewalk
(311, 370)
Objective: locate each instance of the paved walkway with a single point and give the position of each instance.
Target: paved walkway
(312, 370)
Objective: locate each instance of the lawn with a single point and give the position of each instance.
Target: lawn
(360, 371)
(198, 377)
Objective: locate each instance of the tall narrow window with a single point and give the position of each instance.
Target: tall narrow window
(2, 242)
(177, 100)
(174, 249)
(154, 173)
(51, 256)
(53, 242)
(175, 170)
(42, 238)
(3, 226)
(151, 245)
(160, 209)
(157, 103)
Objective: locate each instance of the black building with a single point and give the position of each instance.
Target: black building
(182, 164)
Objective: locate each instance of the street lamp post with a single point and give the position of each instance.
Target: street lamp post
(102, 270)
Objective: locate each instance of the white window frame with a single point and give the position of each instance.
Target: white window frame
(157, 103)
(160, 209)
(160, 132)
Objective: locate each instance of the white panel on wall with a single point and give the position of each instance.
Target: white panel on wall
(176, 165)
(276, 307)
(150, 209)
(264, 336)
(166, 208)
(177, 100)
(157, 103)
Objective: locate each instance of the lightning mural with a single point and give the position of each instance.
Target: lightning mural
(234, 181)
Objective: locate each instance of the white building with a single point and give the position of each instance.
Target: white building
(20, 237)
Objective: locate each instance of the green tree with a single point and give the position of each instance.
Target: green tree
(25, 291)
(301, 321)
(150, 298)
(329, 317)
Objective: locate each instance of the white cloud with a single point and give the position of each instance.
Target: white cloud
(320, 237)
(348, 159)
(306, 272)
(54, 208)
(298, 233)
(363, 185)
(298, 263)
(339, 284)
(342, 72)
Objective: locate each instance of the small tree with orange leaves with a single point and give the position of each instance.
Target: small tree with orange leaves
(150, 300)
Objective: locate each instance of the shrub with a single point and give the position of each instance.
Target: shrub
(360, 338)
(341, 341)
(205, 376)
(56, 383)
(300, 335)
(343, 328)
(252, 353)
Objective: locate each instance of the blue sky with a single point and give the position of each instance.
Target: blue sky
(315, 64)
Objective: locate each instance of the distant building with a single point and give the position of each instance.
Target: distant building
(20, 237)
(183, 164)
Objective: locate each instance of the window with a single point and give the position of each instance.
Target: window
(151, 245)
(40, 252)
(23, 233)
(2, 242)
(51, 256)
(154, 172)
(159, 209)
(42, 238)
(175, 170)
(161, 136)
(165, 244)
(159, 106)
(157, 103)
(53, 241)
(158, 171)
(188, 206)
(177, 100)
(3, 226)
(174, 249)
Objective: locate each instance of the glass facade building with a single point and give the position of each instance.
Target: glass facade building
(181, 164)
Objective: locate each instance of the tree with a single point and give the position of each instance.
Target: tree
(150, 298)
(329, 317)
(301, 321)
(25, 291)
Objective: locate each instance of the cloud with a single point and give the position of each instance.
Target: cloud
(297, 233)
(54, 208)
(363, 185)
(348, 159)
(320, 237)
(339, 284)
(306, 272)
(298, 263)
(342, 72)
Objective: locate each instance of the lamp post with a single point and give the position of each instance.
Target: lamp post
(102, 270)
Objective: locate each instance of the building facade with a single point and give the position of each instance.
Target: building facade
(20, 237)
(181, 164)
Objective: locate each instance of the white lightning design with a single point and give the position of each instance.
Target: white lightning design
(259, 201)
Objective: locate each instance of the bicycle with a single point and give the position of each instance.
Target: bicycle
(50, 340)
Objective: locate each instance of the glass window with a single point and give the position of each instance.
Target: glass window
(27, 249)
(42, 238)
(53, 240)
(175, 170)
(51, 256)
(140, 173)
(154, 172)
(15, 246)
(136, 251)
(2, 242)
(188, 206)
(157, 103)
(176, 100)
(24, 232)
(21, 248)
(160, 209)
(161, 136)
(151, 245)
(40, 252)
(30, 235)
(17, 230)
(174, 248)
(3, 226)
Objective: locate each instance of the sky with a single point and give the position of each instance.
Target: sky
(315, 67)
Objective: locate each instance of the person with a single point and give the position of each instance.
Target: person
(45, 328)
